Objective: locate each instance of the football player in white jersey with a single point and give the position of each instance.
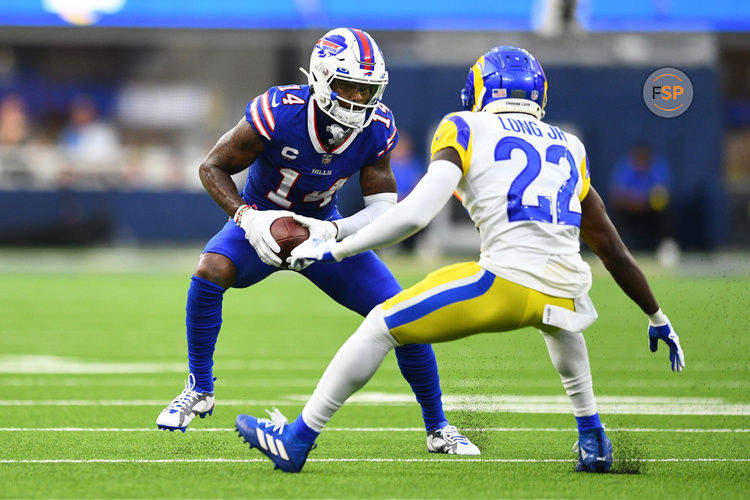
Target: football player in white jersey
(527, 188)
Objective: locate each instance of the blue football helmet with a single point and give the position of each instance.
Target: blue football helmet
(506, 80)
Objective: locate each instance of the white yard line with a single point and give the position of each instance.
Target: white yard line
(625, 405)
(44, 364)
(113, 380)
(250, 383)
(363, 460)
(374, 429)
(48, 364)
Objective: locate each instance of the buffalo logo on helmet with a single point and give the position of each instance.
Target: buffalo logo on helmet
(330, 46)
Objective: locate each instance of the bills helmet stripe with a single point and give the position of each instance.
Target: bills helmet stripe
(366, 51)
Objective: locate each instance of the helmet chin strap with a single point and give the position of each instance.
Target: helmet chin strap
(346, 113)
(515, 106)
(338, 133)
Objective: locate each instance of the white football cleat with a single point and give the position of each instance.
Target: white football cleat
(448, 440)
(182, 410)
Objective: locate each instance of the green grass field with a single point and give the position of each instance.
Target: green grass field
(89, 358)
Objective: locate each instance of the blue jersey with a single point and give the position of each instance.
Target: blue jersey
(297, 170)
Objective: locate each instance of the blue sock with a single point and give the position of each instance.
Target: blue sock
(301, 430)
(588, 423)
(203, 321)
(419, 368)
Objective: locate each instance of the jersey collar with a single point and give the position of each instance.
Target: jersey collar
(312, 131)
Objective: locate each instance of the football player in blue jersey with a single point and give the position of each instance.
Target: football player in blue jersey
(302, 143)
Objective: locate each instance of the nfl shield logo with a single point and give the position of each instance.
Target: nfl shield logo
(326, 159)
(534, 95)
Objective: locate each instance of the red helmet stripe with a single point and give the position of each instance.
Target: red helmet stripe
(366, 49)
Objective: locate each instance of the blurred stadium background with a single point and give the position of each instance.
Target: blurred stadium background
(107, 107)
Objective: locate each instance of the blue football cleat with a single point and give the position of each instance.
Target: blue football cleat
(286, 452)
(594, 451)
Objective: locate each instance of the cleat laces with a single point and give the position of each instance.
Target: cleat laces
(187, 395)
(278, 420)
(451, 435)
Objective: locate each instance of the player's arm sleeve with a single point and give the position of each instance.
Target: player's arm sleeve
(261, 115)
(408, 216)
(454, 132)
(375, 206)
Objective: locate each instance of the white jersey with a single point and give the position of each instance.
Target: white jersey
(523, 182)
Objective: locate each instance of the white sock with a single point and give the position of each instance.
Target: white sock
(351, 368)
(568, 353)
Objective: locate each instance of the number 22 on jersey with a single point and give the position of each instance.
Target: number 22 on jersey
(542, 211)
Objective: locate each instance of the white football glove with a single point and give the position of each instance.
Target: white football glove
(320, 230)
(257, 227)
(311, 250)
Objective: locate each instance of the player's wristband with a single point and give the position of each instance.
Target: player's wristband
(658, 318)
(240, 211)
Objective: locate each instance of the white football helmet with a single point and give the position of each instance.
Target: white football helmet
(351, 56)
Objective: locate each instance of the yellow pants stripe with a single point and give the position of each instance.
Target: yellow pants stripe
(464, 299)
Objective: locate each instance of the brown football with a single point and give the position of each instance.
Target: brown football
(288, 233)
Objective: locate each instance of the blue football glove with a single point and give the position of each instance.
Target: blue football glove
(669, 336)
(309, 251)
